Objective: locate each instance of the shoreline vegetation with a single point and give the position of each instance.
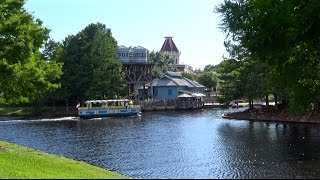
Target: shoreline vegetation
(19, 162)
(27, 113)
(269, 114)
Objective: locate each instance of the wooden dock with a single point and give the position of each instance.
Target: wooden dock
(174, 104)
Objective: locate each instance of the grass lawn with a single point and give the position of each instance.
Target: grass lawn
(21, 162)
(15, 111)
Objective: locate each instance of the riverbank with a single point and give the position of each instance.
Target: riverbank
(18, 162)
(27, 113)
(272, 115)
(51, 114)
(261, 114)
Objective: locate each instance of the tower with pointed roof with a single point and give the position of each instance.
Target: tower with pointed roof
(169, 48)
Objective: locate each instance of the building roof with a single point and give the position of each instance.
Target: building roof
(169, 45)
(174, 79)
(173, 74)
(163, 82)
(135, 47)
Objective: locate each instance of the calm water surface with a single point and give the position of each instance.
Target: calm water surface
(177, 144)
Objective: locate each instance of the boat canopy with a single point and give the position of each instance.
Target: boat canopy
(106, 101)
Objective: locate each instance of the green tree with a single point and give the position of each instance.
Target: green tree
(228, 86)
(251, 80)
(210, 67)
(25, 76)
(52, 51)
(191, 76)
(91, 67)
(162, 63)
(283, 35)
(197, 71)
(208, 79)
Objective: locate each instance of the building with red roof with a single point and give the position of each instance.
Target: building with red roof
(169, 48)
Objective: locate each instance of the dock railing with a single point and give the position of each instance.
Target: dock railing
(170, 104)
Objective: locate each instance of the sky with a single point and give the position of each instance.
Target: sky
(192, 23)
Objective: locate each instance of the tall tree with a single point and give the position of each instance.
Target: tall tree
(25, 76)
(228, 86)
(210, 67)
(250, 79)
(284, 35)
(91, 67)
(209, 79)
(52, 51)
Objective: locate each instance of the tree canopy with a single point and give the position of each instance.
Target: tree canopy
(162, 63)
(208, 78)
(91, 66)
(25, 76)
(188, 75)
(282, 37)
(210, 67)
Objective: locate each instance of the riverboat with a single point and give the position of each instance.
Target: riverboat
(108, 108)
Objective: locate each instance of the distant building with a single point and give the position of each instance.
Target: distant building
(130, 54)
(136, 68)
(170, 85)
(183, 68)
(169, 48)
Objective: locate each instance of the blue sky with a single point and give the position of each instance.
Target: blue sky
(192, 24)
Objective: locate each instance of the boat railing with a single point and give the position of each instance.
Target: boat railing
(108, 107)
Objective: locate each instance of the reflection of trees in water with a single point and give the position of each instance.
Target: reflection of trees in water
(304, 142)
(272, 150)
(303, 146)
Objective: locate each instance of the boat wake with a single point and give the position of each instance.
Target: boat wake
(17, 119)
(110, 118)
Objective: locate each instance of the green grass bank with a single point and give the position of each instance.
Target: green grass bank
(22, 163)
(15, 111)
(39, 112)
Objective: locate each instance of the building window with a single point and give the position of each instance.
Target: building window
(169, 92)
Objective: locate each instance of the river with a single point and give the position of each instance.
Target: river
(177, 144)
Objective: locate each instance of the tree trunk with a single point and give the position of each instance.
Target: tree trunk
(275, 101)
(267, 101)
(316, 108)
(53, 105)
(38, 106)
(67, 107)
(284, 104)
(251, 104)
(314, 111)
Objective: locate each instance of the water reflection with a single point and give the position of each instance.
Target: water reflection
(270, 150)
(178, 144)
